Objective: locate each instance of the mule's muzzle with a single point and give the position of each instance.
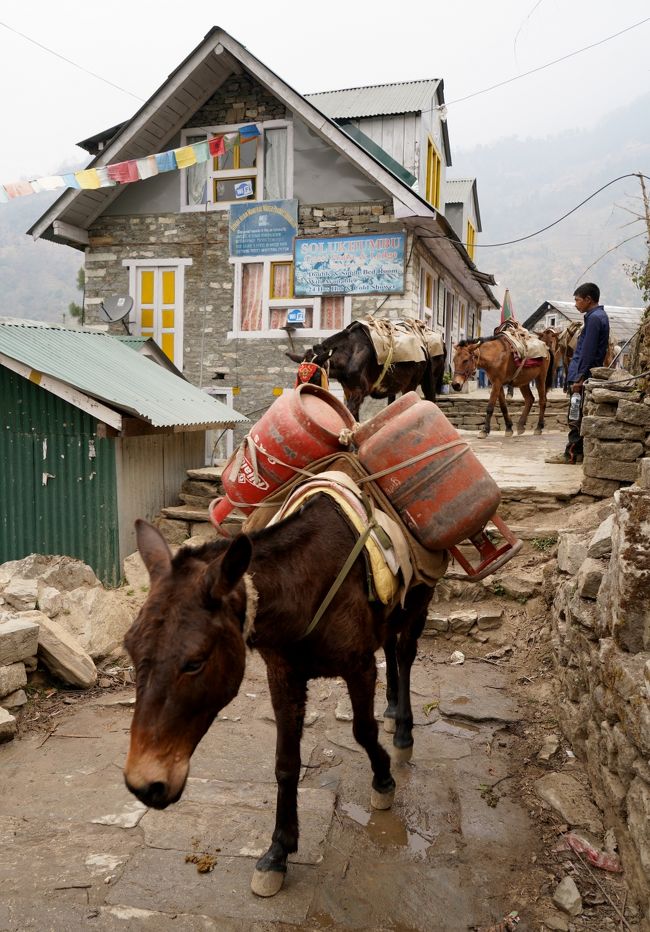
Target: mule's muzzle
(456, 386)
(156, 795)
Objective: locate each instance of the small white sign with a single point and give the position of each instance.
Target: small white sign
(244, 189)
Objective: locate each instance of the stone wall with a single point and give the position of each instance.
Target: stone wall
(616, 428)
(467, 412)
(601, 642)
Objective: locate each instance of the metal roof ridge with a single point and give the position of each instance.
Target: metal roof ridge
(369, 87)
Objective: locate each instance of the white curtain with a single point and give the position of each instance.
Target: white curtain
(275, 164)
(197, 177)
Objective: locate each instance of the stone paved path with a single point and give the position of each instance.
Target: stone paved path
(81, 853)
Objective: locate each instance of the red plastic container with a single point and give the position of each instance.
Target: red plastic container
(301, 426)
(435, 482)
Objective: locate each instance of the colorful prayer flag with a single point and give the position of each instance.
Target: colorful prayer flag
(201, 152)
(124, 172)
(105, 180)
(216, 145)
(250, 131)
(185, 157)
(3, 195)
(147, 167)
(231, 140)
(18, 189)
(70, 180)
(166, 161)
(51, 182)
(88, 179)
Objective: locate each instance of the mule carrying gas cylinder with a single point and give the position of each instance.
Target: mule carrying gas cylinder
(301, 426)
(435, 482)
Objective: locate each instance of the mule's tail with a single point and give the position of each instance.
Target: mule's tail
(433, 375)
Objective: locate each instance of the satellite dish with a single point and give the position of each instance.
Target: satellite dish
(117, 308)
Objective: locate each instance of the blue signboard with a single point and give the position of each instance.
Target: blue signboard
(367, 264)
(263, 228)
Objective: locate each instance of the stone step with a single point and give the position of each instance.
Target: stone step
(185, 513)
(202, 488)
(207, 473)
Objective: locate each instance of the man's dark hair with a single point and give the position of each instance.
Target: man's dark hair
(588, 290)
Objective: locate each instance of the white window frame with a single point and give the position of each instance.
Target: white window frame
(428, 314)
(233, 174)
(213, 433)
(179, 319)
(269, 303)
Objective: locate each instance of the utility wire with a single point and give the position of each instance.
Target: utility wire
(549, 64)
(521, 239)
(70, 62)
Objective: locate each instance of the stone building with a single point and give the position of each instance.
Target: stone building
(226, 313)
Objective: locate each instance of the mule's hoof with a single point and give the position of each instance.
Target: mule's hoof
(521, 430)
(509, 432)
(390, 725)
(401, 755)
(267, 883)
(381, 800)
(482, 435)
(538, 431)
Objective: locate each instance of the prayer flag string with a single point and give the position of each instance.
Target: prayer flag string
(121, 173)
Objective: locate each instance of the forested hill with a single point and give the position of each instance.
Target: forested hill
(38, 279)
(523, 185)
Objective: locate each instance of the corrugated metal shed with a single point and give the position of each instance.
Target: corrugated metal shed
(106, 369)
(458, 190)
(405, 97)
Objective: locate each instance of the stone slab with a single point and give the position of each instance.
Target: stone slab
(570, 799)
(18, 638)
(477, 692)
(12, 677)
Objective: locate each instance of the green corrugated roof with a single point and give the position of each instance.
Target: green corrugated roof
(108, 370)
(377, 152)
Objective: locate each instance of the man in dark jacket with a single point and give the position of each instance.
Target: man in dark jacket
(590, 352)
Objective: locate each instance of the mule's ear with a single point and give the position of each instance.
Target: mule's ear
(295, 357)
(153, 549)
(224, 576)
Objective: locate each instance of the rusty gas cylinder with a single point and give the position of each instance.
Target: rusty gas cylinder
(302, 425)
(428, 472)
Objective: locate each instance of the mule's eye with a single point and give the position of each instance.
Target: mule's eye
(193, 666)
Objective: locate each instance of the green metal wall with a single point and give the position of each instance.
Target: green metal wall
(57, 480)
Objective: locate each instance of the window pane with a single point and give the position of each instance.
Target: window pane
(226, 161)
(275, 164)
(248, 153)
(282, 280)
(225, 190)
(251, 296)
(168, 286)
(146, 287)
(147, 317)
(332, 313)
(168, 345)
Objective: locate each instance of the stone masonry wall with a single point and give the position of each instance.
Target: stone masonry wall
(468, 413)
(601, 643)
(616, 428)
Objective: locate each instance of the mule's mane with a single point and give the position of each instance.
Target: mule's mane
(477, 340)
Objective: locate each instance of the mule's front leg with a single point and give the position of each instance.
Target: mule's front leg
(494, 394)
(528, 403)
(507, 421)
(288, 696)
(361, 687)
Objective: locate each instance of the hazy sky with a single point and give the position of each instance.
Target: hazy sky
(48, 104)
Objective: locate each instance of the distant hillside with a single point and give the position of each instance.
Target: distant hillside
(524, 185)
(37, 279)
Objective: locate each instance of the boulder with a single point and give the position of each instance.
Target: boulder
(62, 654)
(7, 725)
(66, 574)
(605, 467)
(590, 576)
(569, 798)
(601, 542)
(21, 593)
(606, 428)
(13, 676)
(489, 618)
(49, 600)
(18, 637)
(14, 700)
(462, 622)
(136, 573)
(571, 551)
(567, 897)
(631, 413)
(97, 618)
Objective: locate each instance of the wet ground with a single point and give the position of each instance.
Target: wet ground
(465, 844)
(85, 855)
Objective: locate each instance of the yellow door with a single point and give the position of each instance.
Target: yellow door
(157, 308)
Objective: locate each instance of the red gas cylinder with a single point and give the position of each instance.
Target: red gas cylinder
(301, 426)
(433, 479)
